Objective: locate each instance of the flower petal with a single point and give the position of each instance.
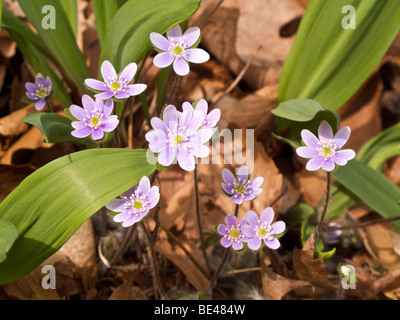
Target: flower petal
(254, 243)
(342, 136)
(108, 107)
(328, 165)
(122, 216)
(228, 176)
(185, 160)
(108, 72)
(174, 33)
(31, 87)
(167, 156)
(159, 41)
(104, 95)
(144, 185)
(200, 151)
(256, 182)
(237, 199)
(225, 242)
(40, 104)
(88, 103)
(249, 231)
(203, 106)
(196, 55)
(129, 72)
(278, 227)
(213, 117)
(231, 221)
(135, 89)
(159, 125)
(227, 188)
(96, 84)
(116, 205)
(309, 138)
(314, 164)
(110, 124)
(40, 81)
(181, 67)
(252, 218)
(307, 152)
(242, 174)
(97, 134)
(121, 95)
(170, 116)
(223, 230)
(345, 154)
(325, 131)
(191, 36)
(272, 244)
(267, 215)
(77, 112)
(157, 142)
(237, 245)
(163, 59)
(82, 133)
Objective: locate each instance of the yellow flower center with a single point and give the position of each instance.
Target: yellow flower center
(235, 233)
(178, 139)
(115, 86)
(239, 188)
(177, 50)
(137, 205)
(95, 121)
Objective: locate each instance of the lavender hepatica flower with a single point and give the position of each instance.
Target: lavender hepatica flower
(135, 204)
(324, 151)
(240, 188)
(115, 86)
(261, 230)
(232, 233)
(210, 119)
(94, 118)
(178, 49)
(179, 136)
(39, 91)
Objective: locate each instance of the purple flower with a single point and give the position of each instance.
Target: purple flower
(261, 229)
(210, 119)
(94, 118)
(178, 136)
(39, 91)
(114, 85)
(135, 203)
(324, 150)
(178, 49)
(332, 237)
(241, 188)
(232, 233)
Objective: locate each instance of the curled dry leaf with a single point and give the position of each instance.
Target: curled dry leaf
(275, 286)
(309, 269)
(12, 124)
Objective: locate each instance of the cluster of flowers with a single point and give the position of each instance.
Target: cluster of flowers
(184, 136)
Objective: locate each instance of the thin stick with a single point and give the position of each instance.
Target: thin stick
(361, 224)
(157, 211)
(236, 210)
(238, 78)
(216, 274)
(127, 237)
(328, 188)
(199, 226)
(154, 264)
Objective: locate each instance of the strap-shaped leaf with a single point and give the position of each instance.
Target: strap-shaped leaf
(128, 37)
(329, 63)
(54, 201)
(8, 234)
(60, 41)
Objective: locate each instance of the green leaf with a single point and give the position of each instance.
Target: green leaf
(60, 41)
(31, 47)
(71, 11)
(304, 113)
(56, 128)
(8, 234)
(128, 36)
(1, 12)
(104, 11)
(328, 63)
(55, 200)
(298, 213)
(374, 153)
(372, 187)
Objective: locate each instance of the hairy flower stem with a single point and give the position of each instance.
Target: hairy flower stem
(127, 237)
(157, 211)
(328, 188)
(214, 279)
(236, 210)
(199, 226)
(173, 88)
(154, 264)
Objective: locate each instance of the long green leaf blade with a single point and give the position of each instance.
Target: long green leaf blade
(71, 11)
(128, 37)
(8, 234)
(328, 63)
(54, 201)
(60, 41)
